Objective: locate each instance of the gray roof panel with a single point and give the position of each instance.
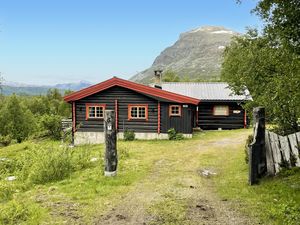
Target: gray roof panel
(205, 90)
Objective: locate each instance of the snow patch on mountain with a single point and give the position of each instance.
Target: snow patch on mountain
(222, 32)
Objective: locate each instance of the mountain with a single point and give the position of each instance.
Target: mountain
(197, 54)
(73, 86)
(9, 88)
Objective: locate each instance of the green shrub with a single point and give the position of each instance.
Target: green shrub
(5, 140)
(129, 135)
(41, 165)
(173, 135)
(51, 124)
(48, 164)
(247, 146)
(19, 213)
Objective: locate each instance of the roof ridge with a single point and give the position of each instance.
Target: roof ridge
(115, 81)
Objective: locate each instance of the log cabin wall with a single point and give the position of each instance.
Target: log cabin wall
(207, 120)
(182, 124)
(124, 98)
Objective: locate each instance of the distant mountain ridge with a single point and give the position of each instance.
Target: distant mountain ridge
(9, 87)
(197, 54)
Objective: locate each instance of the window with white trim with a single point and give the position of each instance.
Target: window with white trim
(221, 110)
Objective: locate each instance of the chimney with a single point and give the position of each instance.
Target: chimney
(158, 77)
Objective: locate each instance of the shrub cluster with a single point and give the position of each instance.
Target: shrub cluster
(5, 140)
(24, 117)
(15, 212)
(173, 135)
(39, 165)
(129, 135)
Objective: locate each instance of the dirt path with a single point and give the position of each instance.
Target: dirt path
(175, 193)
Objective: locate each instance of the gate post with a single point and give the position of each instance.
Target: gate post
(111, 157)
(257, 150)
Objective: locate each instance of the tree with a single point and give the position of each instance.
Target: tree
(16, 120)
(269, 64)
(282, 22)
(271, 73)
(170, 76)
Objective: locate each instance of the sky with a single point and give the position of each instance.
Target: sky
(59, 41)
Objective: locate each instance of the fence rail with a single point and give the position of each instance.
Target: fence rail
(281, 151)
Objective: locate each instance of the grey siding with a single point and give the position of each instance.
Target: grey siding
(182, 124)
(124, 97)
(206, 119)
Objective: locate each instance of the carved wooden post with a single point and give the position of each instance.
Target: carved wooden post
(257, 151)
(111, 157)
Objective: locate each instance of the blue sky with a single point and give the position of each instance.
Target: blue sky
(57, 41)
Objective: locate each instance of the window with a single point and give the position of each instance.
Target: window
(95, 111)
(137, 112)
(221, 110)
(175, 110)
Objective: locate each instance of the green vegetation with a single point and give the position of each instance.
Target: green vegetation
(129, 135)
(174, 135)
(268, 64)
(66, 185)
(23, 118)
(274, 200)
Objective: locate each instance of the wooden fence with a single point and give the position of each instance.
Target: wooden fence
(269, 152)
(281, 151)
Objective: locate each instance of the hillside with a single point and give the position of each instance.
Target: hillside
(197, 54)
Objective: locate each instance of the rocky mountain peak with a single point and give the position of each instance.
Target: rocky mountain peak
(196, 54)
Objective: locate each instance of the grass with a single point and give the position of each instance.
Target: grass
(85, 194)
(276, 200)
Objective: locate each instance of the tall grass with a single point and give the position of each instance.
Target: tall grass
(42, 164)
(15, 212)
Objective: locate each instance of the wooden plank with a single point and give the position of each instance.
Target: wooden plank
(285, 150)
(294, 148)
(269, 155)
(275, 151)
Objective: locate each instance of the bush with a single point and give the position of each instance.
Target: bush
(129, 135)
(47, 164)
(173, 135)
(52, 125)
(19, 213)
(41, 165)
(5, 140)
(247, 146)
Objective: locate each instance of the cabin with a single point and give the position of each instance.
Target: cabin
(148, 111)
(218, 108)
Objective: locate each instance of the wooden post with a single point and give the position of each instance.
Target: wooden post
(111, 157)
(257, 153)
